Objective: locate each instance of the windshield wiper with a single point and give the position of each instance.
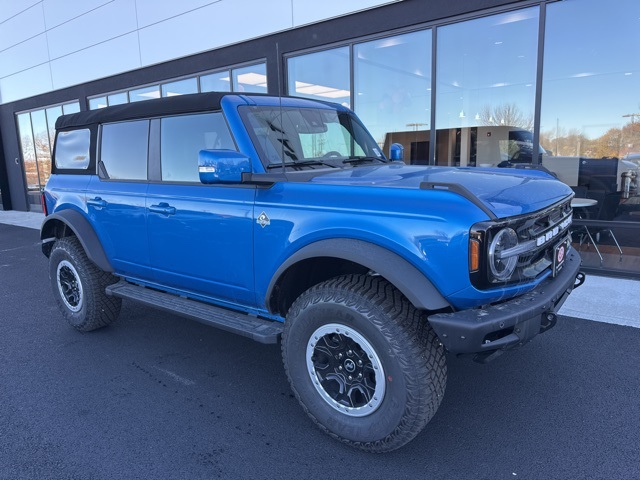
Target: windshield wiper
(354, 160)
(302, 163)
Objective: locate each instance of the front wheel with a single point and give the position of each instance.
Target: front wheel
(79, 287)
(363, 362)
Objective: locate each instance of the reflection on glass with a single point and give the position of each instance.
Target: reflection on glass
(41, 143)
(486, 76)
(28, 151)
(181, 87)
(52, 115)
(322, 75)
(590, 121)
(146, 93)
(393, 91)
(99, 102)
(216, 82)
(70, 108)
(590, 103)
(118, 98)
(250, 79)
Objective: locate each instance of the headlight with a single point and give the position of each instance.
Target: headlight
(502, 267)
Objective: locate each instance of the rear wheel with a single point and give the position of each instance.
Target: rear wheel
(363, 362)
(79, 287)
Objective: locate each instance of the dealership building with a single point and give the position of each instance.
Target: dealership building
(471, 83)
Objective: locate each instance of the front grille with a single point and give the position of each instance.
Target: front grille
(541, 230)
(546, 228)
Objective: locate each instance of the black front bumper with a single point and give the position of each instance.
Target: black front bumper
(491, 330)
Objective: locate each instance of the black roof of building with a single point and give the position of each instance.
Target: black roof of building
(196, 102)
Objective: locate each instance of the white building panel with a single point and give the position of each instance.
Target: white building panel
(91, 39)
(11, 8)
(153, 11)
(107, 58)
(23, 56)
(22, 27)
(33, 81)
(216, 25)
(57, 12)
(104, 23)
(305, 11)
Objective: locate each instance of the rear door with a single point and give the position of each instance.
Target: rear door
(116, 197)
(200, 236)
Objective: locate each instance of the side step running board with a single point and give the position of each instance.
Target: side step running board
(261, 330)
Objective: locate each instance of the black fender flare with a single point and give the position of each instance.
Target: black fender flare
(405, 277)
(82, 229)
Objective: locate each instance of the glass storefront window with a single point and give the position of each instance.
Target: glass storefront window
(216, 82)
(590, 123)
(322, 75)
(590, 105)
(392, 83)
(180, 87)
(250, 79)
(36, 130)
(52, 115)
(41, 143)
(27, 147)
(486, 83)
(118, 98)
(70, 108)
(146, 93)
(98, 102)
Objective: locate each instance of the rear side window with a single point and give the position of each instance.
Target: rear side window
(181, 138)
(123, 150)
(72, 149)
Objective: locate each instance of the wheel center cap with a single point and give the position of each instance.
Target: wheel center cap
(349, 365)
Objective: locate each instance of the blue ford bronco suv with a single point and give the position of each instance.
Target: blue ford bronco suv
(282, 220)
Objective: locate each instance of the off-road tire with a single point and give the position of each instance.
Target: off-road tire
(79, 287)
(396, 335)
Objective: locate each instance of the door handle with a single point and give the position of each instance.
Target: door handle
(97, 202)
(163, 208)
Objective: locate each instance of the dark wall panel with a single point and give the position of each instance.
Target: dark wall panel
(12, 165)
(4, 184)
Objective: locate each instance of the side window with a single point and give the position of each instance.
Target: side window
(72, 149)
(123, 150)
(181, 138)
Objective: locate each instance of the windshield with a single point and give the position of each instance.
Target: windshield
(308, 137)
(520, 148)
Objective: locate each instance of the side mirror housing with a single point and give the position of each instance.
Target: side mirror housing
(222, 166)
(397, 153)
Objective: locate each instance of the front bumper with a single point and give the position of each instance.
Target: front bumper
(491, 330)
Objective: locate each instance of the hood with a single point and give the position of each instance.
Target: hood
(505, 192)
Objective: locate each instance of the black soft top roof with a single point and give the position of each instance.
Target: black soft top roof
(196, 102)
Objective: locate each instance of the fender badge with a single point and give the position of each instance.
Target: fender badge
(263, 220)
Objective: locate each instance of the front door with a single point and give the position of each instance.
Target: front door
(201, 239)
(200, 236)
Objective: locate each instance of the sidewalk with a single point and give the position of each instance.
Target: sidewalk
(601, 299)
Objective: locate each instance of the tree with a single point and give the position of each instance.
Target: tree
(506, 114)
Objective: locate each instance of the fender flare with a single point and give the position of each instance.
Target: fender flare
(403, 275)
(82, 229)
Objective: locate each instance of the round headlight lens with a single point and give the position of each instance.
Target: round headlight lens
(503, 268)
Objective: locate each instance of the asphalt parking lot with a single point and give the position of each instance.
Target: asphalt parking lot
(156, 396)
